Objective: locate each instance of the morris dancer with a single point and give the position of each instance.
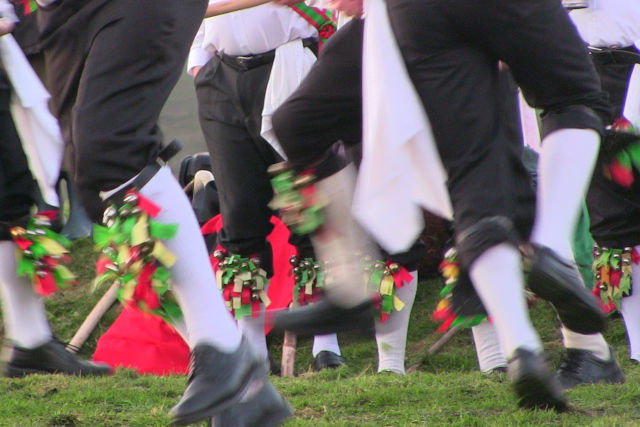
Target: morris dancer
(33, 348)
(451, 54)
(451, 51)
(610, 28)
(232, 59)
(107, 94)
(588, 358)
(307, 126)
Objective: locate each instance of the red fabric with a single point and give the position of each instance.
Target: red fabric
(281, 285)
(144, 342)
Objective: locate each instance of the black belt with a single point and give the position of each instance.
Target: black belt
(247, 62)
(626, 55)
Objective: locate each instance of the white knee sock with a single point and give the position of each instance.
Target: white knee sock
(594, 343)
(630, 309)
(391, 336)
(253, 329)
(25, 318)
(341, 238)
(488, 350)
(565, 167)
(327, 342)
(205, 315)
(497, 277)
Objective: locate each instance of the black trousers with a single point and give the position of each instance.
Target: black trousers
(451, 49)
(230, 102)
(16, 182)
(327, 106)
(111, 65)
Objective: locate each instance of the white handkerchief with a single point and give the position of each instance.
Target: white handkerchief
(401, 171)
(290, 66)
(38, 129)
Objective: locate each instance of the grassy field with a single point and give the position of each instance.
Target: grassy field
(444, 389)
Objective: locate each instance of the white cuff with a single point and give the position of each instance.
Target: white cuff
(197, 58)
(8, 12)
(45, 3)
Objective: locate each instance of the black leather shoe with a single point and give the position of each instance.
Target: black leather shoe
(261, 406)
(325, 317)
(50, 358)
(328, 360)
(558, 281)
(583, 367)
(217, 380)
(534, 383)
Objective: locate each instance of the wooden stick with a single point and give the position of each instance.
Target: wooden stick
(189, 187)
(437, 346)
(288, 354)
(231, 6)
(93, 318)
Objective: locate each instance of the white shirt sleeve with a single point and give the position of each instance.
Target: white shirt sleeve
(7, 11)
(45, 3)
(609, 23)
(198, 56)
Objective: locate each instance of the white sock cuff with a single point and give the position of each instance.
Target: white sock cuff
(594, 343)
(327, 342)
(487, 344)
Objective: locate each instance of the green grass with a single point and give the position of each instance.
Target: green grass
(444, 389)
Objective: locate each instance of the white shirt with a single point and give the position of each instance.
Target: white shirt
(248, 32)
(609, 23)
(7, 12)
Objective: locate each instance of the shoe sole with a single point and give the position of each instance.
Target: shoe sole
(360, 322)
(278, 418)
(618, 379)
(535, 393)
(578, 311)
(256, 373)
(12, 372)
(272, 411)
